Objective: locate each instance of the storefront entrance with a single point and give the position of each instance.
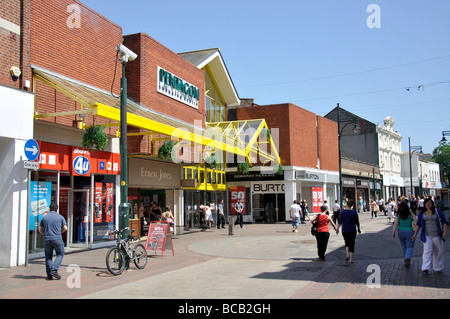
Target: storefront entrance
(268, 208)
(78, 221)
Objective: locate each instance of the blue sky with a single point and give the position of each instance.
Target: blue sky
(317, 53)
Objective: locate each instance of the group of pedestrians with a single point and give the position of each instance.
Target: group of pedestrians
(347, 219)
(207, 214)
(430, 222)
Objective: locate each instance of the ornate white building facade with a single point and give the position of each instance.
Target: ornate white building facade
(389, 152)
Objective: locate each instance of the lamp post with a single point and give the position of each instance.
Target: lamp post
(356, 130)
(124, 207)
(413, 149)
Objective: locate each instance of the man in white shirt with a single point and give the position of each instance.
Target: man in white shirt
(294, 213)
(336, 211)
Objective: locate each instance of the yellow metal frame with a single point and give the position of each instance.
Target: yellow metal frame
(202, 183)
(237, 137)
(237, 131)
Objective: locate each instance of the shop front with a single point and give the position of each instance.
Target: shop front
(83, 184)
(263, 195)
(268, 201)
(153, 186)
(315, 187)
(360, 190)
(349, 189)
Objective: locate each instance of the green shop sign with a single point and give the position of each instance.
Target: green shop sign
(177, 88)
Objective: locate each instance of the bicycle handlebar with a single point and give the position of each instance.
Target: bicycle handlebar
(117, 232)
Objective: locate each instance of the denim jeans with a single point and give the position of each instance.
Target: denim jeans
(405, 237)
(49, 246)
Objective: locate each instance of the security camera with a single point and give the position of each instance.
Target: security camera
(127, 54)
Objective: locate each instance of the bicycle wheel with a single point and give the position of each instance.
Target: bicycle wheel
(140, 256)
(115, 261)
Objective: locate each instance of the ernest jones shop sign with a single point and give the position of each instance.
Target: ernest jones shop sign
(177, 88)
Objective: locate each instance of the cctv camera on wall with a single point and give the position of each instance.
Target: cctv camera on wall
(127, 54)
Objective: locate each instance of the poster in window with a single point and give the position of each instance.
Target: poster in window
(237, 193)
(40, 200)
(98, 201)
(317, 198)
(109, 200)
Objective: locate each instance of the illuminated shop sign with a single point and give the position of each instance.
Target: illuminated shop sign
(177, 88)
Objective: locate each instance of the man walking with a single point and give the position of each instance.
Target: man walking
(294, 213)
(220, 215)
(52, 226)
(239, 211)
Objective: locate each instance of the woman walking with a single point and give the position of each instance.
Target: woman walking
(374, 208)
(323, 232)
(349, 221)
(434, 230)
(404, 221)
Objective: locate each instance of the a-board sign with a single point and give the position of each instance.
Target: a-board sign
(157, 236)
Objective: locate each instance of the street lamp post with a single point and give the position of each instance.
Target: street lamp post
(413, 149)
(356, 130)
(124, 207)
(444, 134)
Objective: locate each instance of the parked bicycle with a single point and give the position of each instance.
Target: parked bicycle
(119, 257)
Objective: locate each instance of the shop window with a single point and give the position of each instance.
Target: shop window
(43, 191)
(104, 206)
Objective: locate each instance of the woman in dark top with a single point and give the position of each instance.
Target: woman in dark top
(349, 221)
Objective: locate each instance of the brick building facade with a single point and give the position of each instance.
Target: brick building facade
(308, 148)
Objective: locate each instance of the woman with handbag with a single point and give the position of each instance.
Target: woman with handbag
(322, 233)
(404, 221)
(349, 221)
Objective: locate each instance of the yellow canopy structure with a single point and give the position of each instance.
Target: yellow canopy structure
(237, 137)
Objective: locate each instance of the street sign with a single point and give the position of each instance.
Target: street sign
(30, 165)
(31, 150)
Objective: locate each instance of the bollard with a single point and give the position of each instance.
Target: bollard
(230, 225)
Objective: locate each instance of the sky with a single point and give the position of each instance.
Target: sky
(375, 58)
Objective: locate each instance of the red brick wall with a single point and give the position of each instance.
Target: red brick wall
(328, 144)
(86, 54)
(142, 77)
(142, 86)
(14, 47)
(297, 131)
(276, 117)
(303, 137)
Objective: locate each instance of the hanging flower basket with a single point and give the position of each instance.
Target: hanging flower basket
(243, 168)
(165, 150)
(95, 138)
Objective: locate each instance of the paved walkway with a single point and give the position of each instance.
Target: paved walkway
(261, 261)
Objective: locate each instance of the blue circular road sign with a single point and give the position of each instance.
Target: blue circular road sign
(31, 150)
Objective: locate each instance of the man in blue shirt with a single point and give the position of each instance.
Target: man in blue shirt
(51, 226)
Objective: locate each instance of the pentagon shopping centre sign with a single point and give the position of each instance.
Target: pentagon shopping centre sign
(177, 88)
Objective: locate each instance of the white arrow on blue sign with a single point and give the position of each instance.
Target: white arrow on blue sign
(31, 150)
